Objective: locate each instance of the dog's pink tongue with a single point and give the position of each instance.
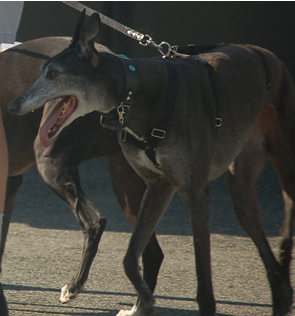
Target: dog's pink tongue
(44, 138)
(48, 124)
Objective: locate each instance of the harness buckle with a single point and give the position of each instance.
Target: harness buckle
(158, 133)
(121, 109)
(218, 122)
(123, 135)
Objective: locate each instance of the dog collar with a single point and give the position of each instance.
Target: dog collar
(115, 118)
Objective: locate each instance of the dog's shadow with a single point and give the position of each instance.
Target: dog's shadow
(85, 311)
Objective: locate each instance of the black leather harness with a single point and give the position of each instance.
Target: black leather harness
(115, 118)
(159, 131)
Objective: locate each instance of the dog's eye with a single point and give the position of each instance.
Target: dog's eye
(52, 74)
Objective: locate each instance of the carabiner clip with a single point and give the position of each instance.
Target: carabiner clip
(169, 49)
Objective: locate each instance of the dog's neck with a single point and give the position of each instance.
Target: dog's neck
(144, 85)
(149, 98)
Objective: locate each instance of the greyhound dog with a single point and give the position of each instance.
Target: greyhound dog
(183, 122)
(58, 164)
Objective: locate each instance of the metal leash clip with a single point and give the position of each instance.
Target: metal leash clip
(148, 41)
(121, 109)
(169, 49)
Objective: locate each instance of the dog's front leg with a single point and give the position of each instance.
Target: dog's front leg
(129, 189)
(155, 201)
(197, 203)
(62, 177)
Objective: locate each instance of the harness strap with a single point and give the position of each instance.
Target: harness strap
(262, 58)
(159, 132)
(218, 119)
(210, 70)
(115, 118)
(192, 51)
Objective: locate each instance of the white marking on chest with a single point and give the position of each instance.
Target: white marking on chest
(144, 161)
(130, 131)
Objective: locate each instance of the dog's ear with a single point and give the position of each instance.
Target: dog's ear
(85, 44)
(78, 29)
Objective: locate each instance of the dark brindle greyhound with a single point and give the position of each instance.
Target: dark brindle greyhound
(58, 164)
(247, 87)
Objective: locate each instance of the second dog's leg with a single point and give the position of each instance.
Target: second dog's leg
(155, 201)
(13, 184)
(129, 189)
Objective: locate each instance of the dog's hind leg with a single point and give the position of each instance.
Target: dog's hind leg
(282, 154)
(155, 201)
(287, 176)
(280, 134)
(197, 203)
(129, 189)
(13, 184)
(243, 176)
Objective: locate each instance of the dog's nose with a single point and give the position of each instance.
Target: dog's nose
(14, 107)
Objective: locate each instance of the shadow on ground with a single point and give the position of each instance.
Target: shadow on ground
(81, 311)
(38, 207)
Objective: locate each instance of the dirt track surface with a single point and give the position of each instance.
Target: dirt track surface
(45, 244)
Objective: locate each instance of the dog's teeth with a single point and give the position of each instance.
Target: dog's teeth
(49, 131)
(63, 111)
(60, 117)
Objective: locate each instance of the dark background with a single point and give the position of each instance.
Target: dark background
(267, 24)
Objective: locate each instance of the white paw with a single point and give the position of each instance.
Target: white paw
(66, 296)
(147, 311)
(131, 312)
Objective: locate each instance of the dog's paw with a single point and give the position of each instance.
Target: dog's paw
(66, 295)
(131, 312)
(137, 312)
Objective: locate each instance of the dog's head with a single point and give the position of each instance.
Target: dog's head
(72, 83)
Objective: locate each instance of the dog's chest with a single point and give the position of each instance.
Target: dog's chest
(140, 162)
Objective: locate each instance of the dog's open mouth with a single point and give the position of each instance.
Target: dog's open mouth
(62, 110)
